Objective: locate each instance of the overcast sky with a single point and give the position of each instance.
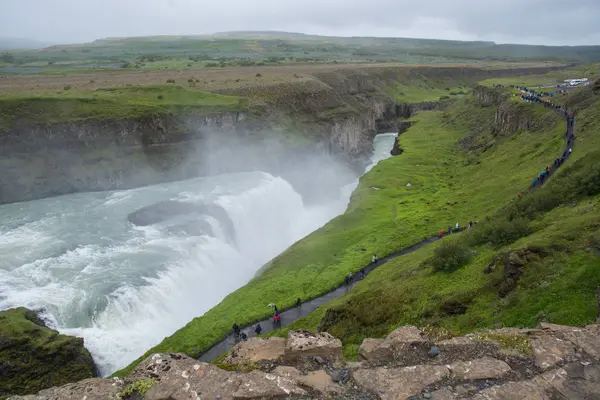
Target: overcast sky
(551, 22)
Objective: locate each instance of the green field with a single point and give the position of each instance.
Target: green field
(113, 103)
(458, 172)
(590, 71)
(270, 48)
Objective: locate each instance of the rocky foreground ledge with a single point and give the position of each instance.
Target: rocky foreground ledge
(551, 362)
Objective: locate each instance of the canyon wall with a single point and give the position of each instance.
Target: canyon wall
(335, 114)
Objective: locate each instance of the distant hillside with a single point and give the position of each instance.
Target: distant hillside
(275, 43)
(272, 34)
(7, 43)
(269, 48)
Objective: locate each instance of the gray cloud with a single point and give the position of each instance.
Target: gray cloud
(504, 21)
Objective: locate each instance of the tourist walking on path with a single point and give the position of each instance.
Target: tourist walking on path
(570, 138)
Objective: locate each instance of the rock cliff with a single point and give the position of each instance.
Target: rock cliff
(488, 96)
(550, 362)
(34, 357)
(335, 113)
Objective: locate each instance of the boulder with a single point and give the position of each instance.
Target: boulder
(587, 339)
(483, 368)
(555, 328)
(550, 351)
(258, 385)
(583, 381)
(320, 382)
(464, 348)
(406, 334)
(179, 377)
(372, 351)
(535, 388)
(306, 344)
(399, 383)
(255, 350)
(443, 394)
(405, 346)
(89, 389)
(408, 345)
(287, 372)
(34, 357)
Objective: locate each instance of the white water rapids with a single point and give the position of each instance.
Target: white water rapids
(124, 288)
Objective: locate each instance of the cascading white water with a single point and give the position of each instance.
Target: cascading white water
(123, 288)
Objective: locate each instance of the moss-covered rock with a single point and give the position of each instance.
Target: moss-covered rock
(34, 357)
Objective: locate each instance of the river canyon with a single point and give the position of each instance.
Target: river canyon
(89, 272)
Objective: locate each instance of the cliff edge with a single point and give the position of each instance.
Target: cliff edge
(552, 361)
(34, 357)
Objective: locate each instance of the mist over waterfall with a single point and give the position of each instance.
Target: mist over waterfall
(122, 287)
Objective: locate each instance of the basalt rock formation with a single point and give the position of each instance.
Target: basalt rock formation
(550, 362)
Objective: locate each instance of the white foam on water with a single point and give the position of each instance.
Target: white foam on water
(124, 288)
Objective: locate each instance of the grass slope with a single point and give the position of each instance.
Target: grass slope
(448, 184)
(560, 270)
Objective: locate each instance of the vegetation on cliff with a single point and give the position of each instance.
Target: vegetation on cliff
(534, 260)
(34, 357)
(128, 102)
(459, 170)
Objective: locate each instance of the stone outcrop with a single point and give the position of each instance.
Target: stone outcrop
(488, 96)
(405, 346)
(34, 357)
(550, 362)
(307, 344)
(512, 117)
(256, 350)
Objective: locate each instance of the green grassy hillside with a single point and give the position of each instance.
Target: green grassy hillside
(458, 171)
(535, 259)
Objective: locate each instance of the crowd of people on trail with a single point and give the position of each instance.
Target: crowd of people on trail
(536, 97)
(239, 335)
(544, 93)
(569, 138)
(455, 229)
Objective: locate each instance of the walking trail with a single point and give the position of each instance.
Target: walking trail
(293, 314)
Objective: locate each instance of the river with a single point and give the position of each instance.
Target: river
(123, 288)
